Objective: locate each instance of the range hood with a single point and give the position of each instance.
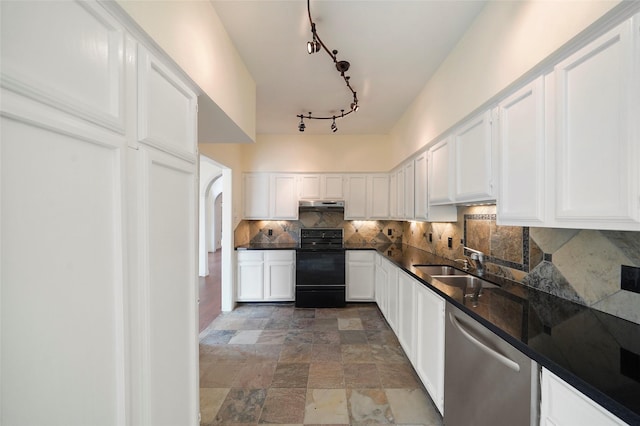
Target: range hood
(321, 206)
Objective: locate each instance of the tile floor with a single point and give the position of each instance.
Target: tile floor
(276, 364)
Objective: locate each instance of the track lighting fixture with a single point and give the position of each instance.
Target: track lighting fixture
(314, 46)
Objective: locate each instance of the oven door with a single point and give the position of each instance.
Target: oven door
(320, 278)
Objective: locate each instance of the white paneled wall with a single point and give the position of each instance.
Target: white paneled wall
(98, 224)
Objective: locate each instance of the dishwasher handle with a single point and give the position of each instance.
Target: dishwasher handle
(498, 356)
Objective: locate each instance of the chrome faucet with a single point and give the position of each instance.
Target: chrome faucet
(478, 260)
(465, 264)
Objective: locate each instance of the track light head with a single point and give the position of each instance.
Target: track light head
(313, 46)
(334, 128)
(301, 126)
(354, 107)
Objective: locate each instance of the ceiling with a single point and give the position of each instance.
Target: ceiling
(394, 46)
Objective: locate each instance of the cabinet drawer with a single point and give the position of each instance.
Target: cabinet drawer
(280, 255)
(250, 256)
(361, 256)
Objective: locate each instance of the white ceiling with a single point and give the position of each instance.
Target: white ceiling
(394, 46)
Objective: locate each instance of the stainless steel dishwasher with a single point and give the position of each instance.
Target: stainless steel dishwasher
(487, 381)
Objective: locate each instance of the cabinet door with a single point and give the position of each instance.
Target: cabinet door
(597, 153)
(332, 187)
(356, 202)
(406, 310)
(256, 195)
(250, 276)
(441, 175)
(379, 197)
(309, 187)
(421, 186)
(430, 343)
(360, 276)
(381, 280)
(522, 157)
(284, 200)
(393, 195)
(409, 195)
(392, 297)
(400, 193)
(563, 405)
(473, 153)
(279, 279)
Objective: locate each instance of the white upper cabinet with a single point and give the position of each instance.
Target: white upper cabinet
(321, 187)
(332, 187)
(409, 186)
(597, 100)
(283, 198)
(420, 188)
(378, 196)
(356, 199)
(522, 157)
(393, 195)
(441, 166)
(400, 193)
(256, 195)
(473, 148)
(167, 109)
(270, 196)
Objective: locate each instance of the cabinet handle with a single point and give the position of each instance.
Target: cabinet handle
(498, 356)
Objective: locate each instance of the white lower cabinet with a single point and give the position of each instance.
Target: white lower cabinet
(266, 275)
(563, 405)
(360, 276)
(406, 310)
(429, 347)
(381, 284)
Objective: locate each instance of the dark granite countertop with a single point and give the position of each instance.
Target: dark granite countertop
(595, 352)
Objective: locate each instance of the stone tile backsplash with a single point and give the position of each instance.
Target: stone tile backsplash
(580, 265)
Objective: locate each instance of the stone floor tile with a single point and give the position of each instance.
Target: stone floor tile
(265, 353)
(228, 323)
(398, 376)
(255, 375)
(261, 312)
(303, 323)
(352, 337)
(356, 353)
(361, 376)
(381, 337)
(284, 405)
(291, 375)
(326, 375)
(245, 337)
(211, 400)
(304, 313)
(326, 353)
(300, 352)
(283, 312)
(325, 324)
(327, 337)
(374, 324)
(272, 337)
(412, 406)
(326, 406)
(217, 337)
(253, 324)
(278, 324)
(350, 324)
(388, 354)
(298, 336)
(368, 406)
(241, 406)
(219, 374)
(328, 312)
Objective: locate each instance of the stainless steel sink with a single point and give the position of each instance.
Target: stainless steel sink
(439, 270)
(466, 282)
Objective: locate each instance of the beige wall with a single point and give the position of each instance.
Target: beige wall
(191, 33)
(318, 153)
(506, 40)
